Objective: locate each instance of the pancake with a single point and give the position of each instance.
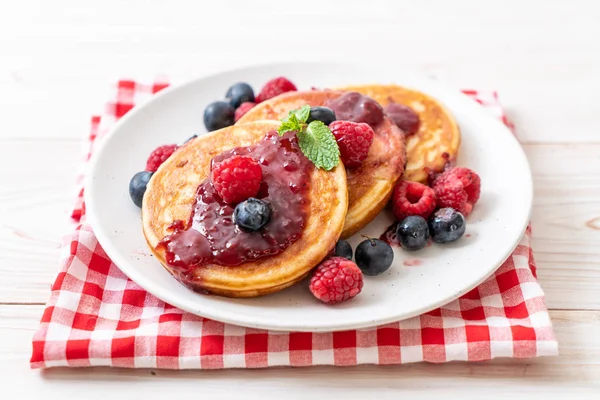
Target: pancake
(369, 186)
(171, 194)
(436, 142)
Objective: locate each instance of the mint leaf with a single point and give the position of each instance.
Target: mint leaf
(302, 113)
(290, 123)
(319, 146)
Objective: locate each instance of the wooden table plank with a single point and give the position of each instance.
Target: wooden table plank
(577, 367)
(58, 59)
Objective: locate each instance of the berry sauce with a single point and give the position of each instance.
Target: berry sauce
(412, 262)
(211, 235)
(404, 117)
(390, 236)
(353, 106)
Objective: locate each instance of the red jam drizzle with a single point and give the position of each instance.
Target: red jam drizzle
(353, 106)
(412, 262)
(211, 236)
(404, 117)
(389, 235)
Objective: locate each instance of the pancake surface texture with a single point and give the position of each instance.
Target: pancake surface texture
(171, 194)
(369, 186)
(437, 141)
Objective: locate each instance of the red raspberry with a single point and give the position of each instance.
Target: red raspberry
(242, 109)
(458, 188)
(413, 198)
(237, 178)
(274, 88)
(354, 140)
(159, 156)
(336, 280)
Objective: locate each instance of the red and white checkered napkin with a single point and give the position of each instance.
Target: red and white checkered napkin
(97, 316)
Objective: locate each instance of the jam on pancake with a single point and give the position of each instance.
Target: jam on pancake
(211, 235)
(355, 107)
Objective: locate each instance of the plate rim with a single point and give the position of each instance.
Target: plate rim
(242, 320)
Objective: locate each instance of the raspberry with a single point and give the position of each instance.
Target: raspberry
(159, 156)
(458, 188)
(275, 87)
(412, 198)
(242, 109)
(336, 280)
(354, 140)
(237, 178)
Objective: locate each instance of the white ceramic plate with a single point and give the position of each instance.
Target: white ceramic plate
(443, 273)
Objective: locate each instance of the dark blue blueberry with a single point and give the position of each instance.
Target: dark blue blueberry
(343, 249)
(137, 187)
(413, 233)
(374, 256)
(240, 93)
(252, 214)
(218, 115)
(323, 114)
(447, 225)
(190, 138)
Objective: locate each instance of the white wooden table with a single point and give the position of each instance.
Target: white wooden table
(57, 59)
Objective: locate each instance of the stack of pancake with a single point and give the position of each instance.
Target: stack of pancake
(341, 201)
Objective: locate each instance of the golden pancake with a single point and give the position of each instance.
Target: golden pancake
(171, 194)
(369, 186)
(437, 141)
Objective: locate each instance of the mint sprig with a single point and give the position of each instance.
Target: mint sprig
(290, 124)
(319, 146)
(295, 121)
(302, 113)
(316, 141)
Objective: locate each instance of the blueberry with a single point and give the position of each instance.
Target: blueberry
(413, 233)
(323, 114)
(240, 93)
(137, 187)
(374, 256)
(252, 214)
(447, 225)
(218, 115)
(343, 249)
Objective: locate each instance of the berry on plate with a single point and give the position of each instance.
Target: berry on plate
(447, 225)
(343, 249)
(137, 186)
(374, 256)
(242, 109)
(240, 93)
(159, 156)
(413, 233)
(458, 188)
(252, 214)
(354, 140)
(323, 114)
(274, 88)
(237, 178)
(404, 117)
(412, 198)
(336, 280)
(218, 115)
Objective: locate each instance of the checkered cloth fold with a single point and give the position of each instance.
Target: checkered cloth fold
(97, 316)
